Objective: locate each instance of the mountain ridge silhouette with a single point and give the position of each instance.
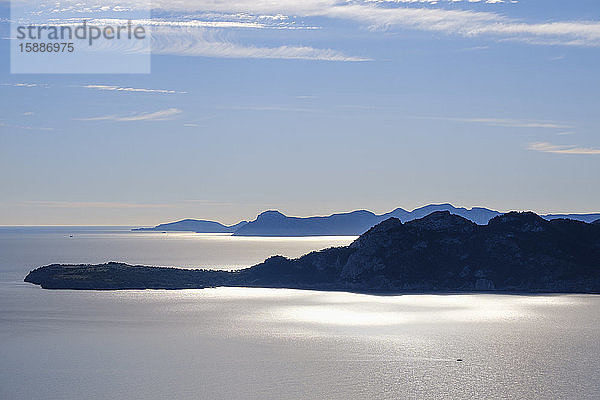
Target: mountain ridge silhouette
(353, 223)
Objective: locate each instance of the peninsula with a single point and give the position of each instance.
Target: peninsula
(440, 252)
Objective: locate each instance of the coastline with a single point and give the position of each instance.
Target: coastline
(103, 277)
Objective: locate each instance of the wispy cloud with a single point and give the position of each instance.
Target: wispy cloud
(239, 21)
(153, 116)
(181, 27)
(113, 88)
(561, 149)
(161, 115)
(211, 43)
(208, 39)
(399, 14)
(190, 16)
(508, 122)
(516, 123)
(475, 48)
(25, 85)
(470, 23)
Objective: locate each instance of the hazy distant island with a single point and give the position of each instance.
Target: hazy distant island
(519, 252)
(195, 225)
(274, 223)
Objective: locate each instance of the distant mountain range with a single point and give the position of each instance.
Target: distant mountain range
(589, 218)
(514, 252)
(274, 223)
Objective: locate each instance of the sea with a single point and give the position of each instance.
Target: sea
(243, 343)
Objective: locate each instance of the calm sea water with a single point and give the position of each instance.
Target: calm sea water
(236, 343)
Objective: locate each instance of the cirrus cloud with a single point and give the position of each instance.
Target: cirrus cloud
(161, 115)
(186, 41)
(114, 88)
(545, 147)
(424, 15)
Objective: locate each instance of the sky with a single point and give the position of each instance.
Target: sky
(311, 108)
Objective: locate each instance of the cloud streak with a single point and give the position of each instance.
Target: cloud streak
(466, 23)
(161, 115)
(210, 43)
(400, 14)
(182, 27)
(112, 88)
(470, 23)
(207, 39)
(545, 147)
(24, 85)
(509, 122)
(515, 123)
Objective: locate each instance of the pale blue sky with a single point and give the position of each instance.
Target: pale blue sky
(314, 107)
